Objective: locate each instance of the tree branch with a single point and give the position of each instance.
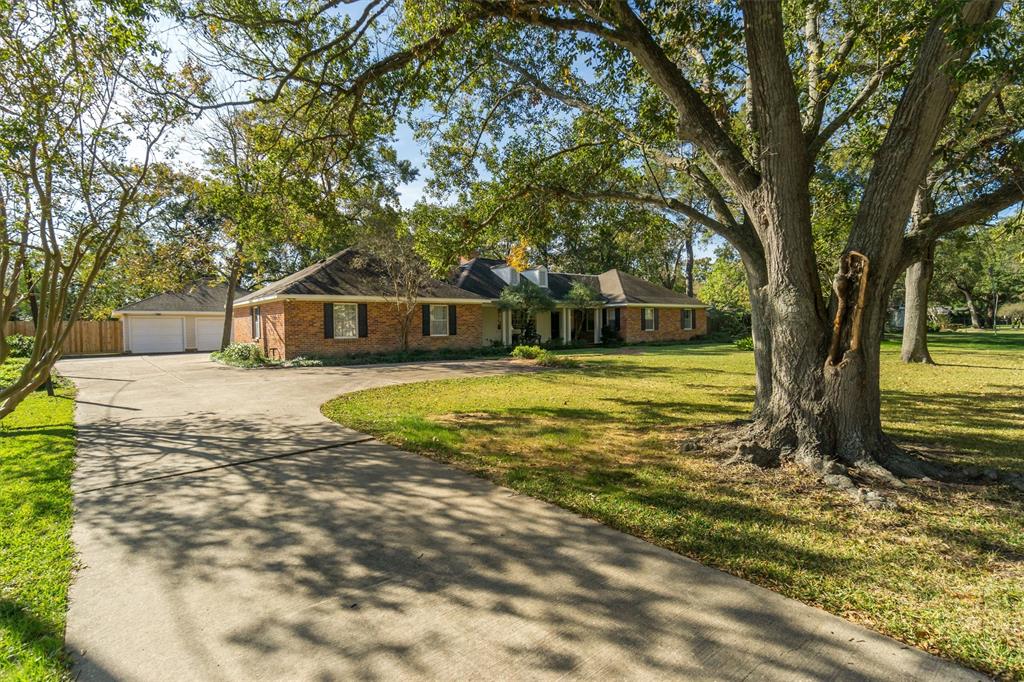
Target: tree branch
(977, 210)
(697, 123)
(902, 160)
(972, 212)
(816, 140)
(740, 236)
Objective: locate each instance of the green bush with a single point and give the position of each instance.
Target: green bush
(726, 325)
(20, 345)
(746, 343)
(610, 337)
(241, 355)
(548, 359)
(528, 352)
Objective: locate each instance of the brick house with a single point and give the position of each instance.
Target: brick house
(342, 305)
(631, 308)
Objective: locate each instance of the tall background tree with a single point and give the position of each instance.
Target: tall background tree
(750, 120)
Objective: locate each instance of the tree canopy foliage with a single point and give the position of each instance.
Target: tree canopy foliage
(783, 127)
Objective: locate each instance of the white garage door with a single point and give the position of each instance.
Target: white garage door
(157, 335)
(208, 331)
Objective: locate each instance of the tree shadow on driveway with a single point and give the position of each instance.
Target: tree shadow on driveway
(365, 562)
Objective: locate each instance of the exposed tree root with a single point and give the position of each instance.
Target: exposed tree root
(869, 478)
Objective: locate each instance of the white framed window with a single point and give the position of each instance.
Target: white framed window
(520, 319)
(542, 278)
(254, 318)
(687, 318)
(439, 320)
(648, 319)
(346, 321)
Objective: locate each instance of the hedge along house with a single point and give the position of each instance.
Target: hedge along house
(343, 305)
(633, 309)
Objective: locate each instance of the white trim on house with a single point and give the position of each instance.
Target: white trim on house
(327, 298)
(117, 313)
(656, 305)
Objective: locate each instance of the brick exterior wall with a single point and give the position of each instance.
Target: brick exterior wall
(668, 325)
(242, 328)
(272, 327)
(296, 328)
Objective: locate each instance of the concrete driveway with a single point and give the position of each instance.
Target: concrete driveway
(227, 531)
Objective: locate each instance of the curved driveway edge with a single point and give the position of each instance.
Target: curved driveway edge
(228, 531)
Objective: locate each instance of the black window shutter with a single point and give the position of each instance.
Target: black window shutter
(426, 320)
(555, 331)
(328, 320)
(643, 319)
(604, 317)
(655, 319)
(452, 327)
(618, 318)
(364, 327)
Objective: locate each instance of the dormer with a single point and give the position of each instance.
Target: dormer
(509, 275)
(538, 276)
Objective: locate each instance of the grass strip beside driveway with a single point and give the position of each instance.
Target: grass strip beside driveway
(37, 448)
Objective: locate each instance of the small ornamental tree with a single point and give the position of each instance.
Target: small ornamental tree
(529, 299)
(389, 249)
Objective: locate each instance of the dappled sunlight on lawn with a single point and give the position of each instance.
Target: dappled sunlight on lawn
(944, 571)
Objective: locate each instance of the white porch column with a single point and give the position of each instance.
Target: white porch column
(597, 325)
(566, 326)
(506, 327)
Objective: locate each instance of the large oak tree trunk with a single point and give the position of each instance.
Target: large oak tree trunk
(915, 320)
(823, 415)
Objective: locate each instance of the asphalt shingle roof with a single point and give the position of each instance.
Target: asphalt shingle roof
(621, 287)
(195, 297)
(348, 273)
(615, 286)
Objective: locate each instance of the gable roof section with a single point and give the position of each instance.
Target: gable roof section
(622, 288)
(199, 296)
(347, 273)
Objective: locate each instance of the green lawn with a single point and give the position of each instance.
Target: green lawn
(37, 448)
(944, 571)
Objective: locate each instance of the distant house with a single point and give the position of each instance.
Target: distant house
(188, 319)
(342, 305)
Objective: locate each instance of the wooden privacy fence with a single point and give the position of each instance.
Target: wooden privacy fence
(87, 337)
